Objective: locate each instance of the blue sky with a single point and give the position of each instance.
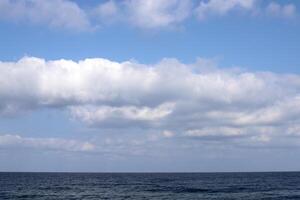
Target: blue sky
(156, 85)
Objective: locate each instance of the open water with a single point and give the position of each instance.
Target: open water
(75, 186)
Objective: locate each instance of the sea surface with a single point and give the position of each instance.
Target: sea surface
(279, 185)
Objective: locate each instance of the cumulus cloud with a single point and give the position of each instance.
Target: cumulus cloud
(107, 9)
(55, 13)
(211, 8)
(106, 12)
(222, 7)
(69, 15)
(187, 100)
(168, 134)
(58, 144)
(109, 115)
(146, 14)
(159, 13)
(277, 10)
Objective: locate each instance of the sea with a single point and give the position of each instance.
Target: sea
(73, 186)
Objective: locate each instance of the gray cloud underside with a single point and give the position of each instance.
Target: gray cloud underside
(147, 14)
(171, 98)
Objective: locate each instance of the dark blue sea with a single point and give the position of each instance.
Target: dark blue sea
(279, 185)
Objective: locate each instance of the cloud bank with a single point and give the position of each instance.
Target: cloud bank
(170, 97)
(146, 14)
(57, 144)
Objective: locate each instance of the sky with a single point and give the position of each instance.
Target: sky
(149, 85)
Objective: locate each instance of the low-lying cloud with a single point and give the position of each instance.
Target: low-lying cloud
(57, 144)
(186, 100)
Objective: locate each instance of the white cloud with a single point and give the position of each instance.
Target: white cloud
(159, 13)
(261, 138)
(214, 131)
(45, 143)
(185, 99)
(209, 8)
(106, 12)
(69, 15)
(277, 10)
(107, 9)
(222, 7)
(100, 115)
(146, 14)
(168, 134)
(55, 13)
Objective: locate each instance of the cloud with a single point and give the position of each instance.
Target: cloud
(58, 144)
(106, 12)
(277, 10)
(222, 7)
(211, 8)
(69, 15)
(107, 9)
(109, 115)
(167, 134)
(145, 14)
(159, 13)
(196, 100)
(55, 13)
